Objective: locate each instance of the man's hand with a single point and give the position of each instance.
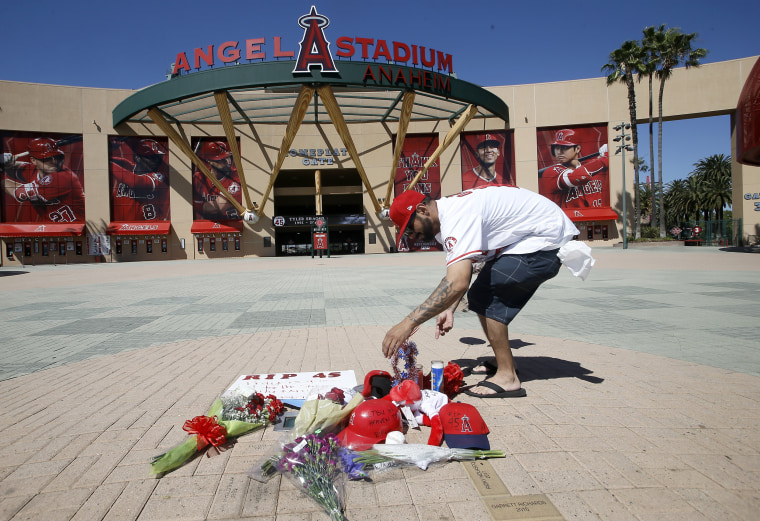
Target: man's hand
(444, 323)
(396, 336)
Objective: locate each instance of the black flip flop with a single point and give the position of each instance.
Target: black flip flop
(500, 392)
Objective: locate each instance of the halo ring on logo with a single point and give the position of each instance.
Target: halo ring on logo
(322, 21)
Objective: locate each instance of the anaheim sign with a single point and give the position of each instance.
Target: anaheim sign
(314, 52)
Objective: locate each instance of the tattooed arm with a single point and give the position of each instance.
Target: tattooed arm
(443, 299)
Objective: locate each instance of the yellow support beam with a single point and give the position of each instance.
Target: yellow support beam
(333, 109)
(186, 149)
(403, 125)
(454, 131)
(223, 107)
(296, 118)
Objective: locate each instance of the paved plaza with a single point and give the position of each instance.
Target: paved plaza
(643, 385)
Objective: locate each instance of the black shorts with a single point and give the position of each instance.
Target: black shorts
(507, 283)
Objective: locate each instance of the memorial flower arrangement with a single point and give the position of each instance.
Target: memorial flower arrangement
(313, 463)
(227, 418)
(421, 455)
(453, 379)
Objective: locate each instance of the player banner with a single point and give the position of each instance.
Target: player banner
(487, 158)
(42, 178)
(139, 175)
(573, 165)
(415, 152)
(208, 202)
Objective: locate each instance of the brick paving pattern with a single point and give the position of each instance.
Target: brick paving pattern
(643, 385)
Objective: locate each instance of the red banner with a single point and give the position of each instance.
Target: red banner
(320, 241)
(42, 177)
(573, 170)
(487, 159)
(139, 174)
(415, 152)
(208, 201)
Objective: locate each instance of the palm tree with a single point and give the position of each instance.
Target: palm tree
(675, 202)
(651, 44)
(623, 64)
(714, 176)
(674, 48)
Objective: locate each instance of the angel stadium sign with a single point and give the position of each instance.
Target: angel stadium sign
(314, 52)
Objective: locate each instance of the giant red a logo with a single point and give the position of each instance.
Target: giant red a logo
(314, 47)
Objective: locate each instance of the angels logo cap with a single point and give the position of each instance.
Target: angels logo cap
(463, 427)
(565, 138)
(490, 140)
(402, 208)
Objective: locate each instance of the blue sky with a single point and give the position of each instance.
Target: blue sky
(130, 45)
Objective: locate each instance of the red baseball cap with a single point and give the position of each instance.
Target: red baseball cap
(463, 427)
(402, 208)
(370, 423)
(214, 150)
(148, 147)
(490, 140)
(565, 138)
(43, 148)
(405, 393)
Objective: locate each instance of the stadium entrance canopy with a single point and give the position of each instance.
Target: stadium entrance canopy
(312, 89)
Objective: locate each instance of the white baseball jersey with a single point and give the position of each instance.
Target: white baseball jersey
(486, 222)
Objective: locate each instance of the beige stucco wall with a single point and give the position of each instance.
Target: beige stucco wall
(709, 90)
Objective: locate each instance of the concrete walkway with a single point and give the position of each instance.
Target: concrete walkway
(643, 385)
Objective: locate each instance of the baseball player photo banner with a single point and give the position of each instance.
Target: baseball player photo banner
(139, 176)
(42, 178)
(573, 167)
(487, 158)
(416, 151)
(208, 202)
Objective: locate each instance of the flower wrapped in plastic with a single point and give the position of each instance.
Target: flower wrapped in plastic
(421, 455)
(324, 413)
(227, 418)
(313, 463)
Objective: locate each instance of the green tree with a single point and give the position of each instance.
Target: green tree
(623, 64)
(673, 48)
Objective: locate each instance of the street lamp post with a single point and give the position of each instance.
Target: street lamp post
(621, 138)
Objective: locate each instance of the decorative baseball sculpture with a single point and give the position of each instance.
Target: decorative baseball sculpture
(250, 217)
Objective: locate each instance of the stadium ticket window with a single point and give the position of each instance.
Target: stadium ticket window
(27, 249)
(118, 246)
(9, 250)
(163, 245)
(149, 245)
(604, 231)
(79, 248)
(225, 245)
(134, 246)
(590, 232)
(62, 248)
(212, 244)
(200, 244)
(237, 243)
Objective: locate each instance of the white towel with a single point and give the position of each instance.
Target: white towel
(576, 255)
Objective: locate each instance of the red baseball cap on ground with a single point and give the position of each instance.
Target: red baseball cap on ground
(402, 208)
(463, 427)
(370, 423)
